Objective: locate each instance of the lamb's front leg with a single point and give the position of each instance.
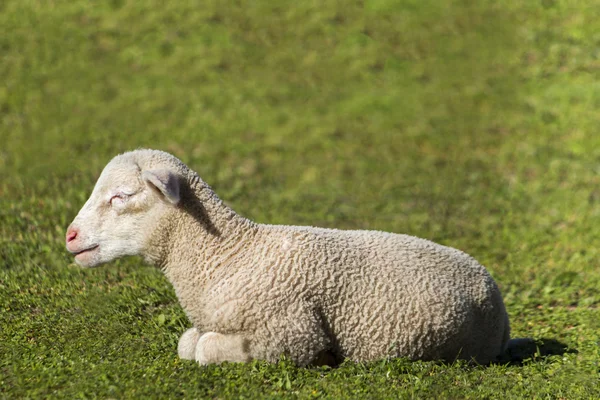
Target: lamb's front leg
(214, 348)
(187, 344)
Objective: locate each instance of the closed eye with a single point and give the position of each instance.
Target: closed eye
(119, 198)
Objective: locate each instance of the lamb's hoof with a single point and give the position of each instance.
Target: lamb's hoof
(187, 344)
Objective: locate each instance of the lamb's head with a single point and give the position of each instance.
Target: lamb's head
(134, 191)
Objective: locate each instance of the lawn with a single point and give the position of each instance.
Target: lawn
(470, 123)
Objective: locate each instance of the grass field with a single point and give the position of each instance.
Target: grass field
(471, 123)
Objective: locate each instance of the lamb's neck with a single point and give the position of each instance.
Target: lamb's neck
(204, 233)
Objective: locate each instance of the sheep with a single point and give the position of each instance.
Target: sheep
(257, 291)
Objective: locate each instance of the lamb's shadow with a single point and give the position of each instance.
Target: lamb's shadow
(522, 349)
(519, 350)
(194, 207)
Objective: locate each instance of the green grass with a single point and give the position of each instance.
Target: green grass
(471, 123)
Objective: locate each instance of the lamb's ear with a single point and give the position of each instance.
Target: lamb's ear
(166, 182)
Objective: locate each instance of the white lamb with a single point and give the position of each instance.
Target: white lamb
(255, 291)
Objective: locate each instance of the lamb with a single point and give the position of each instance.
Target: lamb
(256, 291)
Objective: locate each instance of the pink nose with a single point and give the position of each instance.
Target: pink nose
(71, 234)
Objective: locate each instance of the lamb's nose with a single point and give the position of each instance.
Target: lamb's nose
(71, 234)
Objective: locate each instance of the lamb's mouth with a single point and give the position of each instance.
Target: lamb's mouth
(76, 253)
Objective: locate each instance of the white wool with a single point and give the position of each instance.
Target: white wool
(255, 291)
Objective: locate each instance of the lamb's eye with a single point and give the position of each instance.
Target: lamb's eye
(118, 198)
